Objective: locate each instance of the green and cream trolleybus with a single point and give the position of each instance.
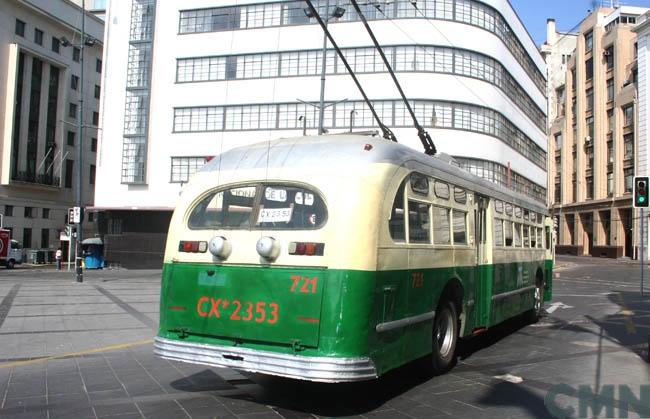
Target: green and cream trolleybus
(340, 257)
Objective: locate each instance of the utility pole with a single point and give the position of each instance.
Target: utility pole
(79, 270)
(321, 109)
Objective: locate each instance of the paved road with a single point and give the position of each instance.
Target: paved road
(84, 351)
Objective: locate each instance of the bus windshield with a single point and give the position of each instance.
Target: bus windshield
(268, 206)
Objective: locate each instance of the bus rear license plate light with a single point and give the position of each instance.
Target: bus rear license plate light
(192, 246)
(307, 249)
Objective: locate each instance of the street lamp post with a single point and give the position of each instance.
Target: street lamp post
(336, 13)
(84, 41)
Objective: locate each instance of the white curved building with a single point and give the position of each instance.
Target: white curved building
(203, 76)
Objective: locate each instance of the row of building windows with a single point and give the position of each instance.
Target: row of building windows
(55, 46)
(405, 58)
(501, 175)
(28, 212)
(393, 113)
(292, 13)
(184, 167)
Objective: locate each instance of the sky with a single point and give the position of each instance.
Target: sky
(567, 13)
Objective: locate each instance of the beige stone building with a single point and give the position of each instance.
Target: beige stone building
(592, 138)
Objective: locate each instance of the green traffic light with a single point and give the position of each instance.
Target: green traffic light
(641, 199)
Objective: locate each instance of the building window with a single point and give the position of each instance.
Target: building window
(95, 118)
(45, 238)
(609, 57)
(558, 141)
(93, 144)
(72, 110)
(56, 45)
(610, 89)
(610, 152)
(38, 36)
(589, 41)
(610, 184)
(98, 65)
(27, 238)
(560, 94)
(97, 91)
(628, 147)
(76, 54)
(628, 115)
(91, 217)
(590, 157)
(69, 168)
(590, 129)
(74, 82)
(590, 99)
(184, 167)
(29, 212)
(628, 175)
(71, 136)
(9, 211)
(589, 69)
(46, 213)
(91, 174)
(610, 120)
(574, 81)
(20, 28)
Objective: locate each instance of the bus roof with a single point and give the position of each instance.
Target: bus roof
(338, 151)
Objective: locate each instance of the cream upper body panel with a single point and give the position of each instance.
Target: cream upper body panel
(356, 175)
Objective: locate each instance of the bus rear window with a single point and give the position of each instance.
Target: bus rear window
(278, 207)
(290, 208)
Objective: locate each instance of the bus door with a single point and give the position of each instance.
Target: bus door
(484, 269)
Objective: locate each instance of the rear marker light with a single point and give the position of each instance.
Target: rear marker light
(307, 249)
(192, 246)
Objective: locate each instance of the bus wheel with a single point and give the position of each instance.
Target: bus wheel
(445, 337)
(10, 264)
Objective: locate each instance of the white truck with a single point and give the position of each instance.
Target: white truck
(11, 252)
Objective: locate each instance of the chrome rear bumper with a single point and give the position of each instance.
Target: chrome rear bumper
(324, 369)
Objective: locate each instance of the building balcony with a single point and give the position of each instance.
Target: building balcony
(37, 179)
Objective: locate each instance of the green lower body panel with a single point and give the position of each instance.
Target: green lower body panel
(327, 324)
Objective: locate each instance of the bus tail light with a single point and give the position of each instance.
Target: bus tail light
(307, 249)
(192, 246)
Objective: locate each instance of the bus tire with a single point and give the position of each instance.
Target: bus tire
(445, 338)
(10, 264)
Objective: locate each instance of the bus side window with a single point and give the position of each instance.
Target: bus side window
(460, 227)
(419, 223)
(507, 229)
(526, 236)
(533, 237)
(517, 235)
(540, 237)
(548, 238)
(498, 232)
(396, 223)
(441, 226)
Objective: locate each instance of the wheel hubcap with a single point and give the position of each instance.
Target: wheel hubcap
(538, 299)
(445, 333)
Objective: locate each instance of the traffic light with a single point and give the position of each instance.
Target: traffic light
(70, 216)
(641, 197)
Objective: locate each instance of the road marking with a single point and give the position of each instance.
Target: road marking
(510, 378)
(557, 305)
(80, 353)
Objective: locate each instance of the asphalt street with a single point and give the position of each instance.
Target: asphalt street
(70, 350)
